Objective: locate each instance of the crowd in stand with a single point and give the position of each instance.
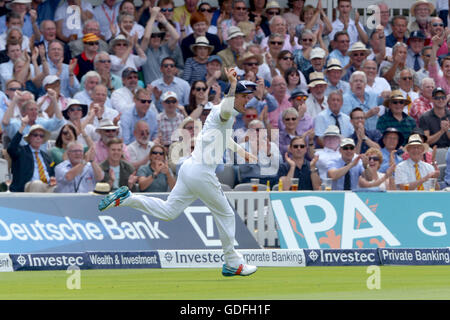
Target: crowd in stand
(116, 93)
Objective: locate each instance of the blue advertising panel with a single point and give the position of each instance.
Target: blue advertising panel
(62, 224)
(346, 220)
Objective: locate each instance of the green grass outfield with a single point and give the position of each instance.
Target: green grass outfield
(397, 282)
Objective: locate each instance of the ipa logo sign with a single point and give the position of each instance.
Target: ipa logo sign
(324, 222)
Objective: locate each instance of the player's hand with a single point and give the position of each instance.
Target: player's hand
(250, 158)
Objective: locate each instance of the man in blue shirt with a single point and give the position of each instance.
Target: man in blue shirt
(345, 171)
(332, 115)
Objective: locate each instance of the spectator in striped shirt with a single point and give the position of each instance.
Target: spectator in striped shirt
(195, 67)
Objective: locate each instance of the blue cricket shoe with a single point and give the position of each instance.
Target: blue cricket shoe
(242, 270)
(114, 199)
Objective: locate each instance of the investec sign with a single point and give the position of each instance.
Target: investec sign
(346, 220)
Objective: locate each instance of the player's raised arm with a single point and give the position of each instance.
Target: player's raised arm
(228, 104)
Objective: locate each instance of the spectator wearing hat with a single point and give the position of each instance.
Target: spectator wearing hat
(346, 170)
(391, 144)
(421, 10)
(428, 154)
(333, 116)
(85, 60)
(51, 82)
(317, 58)
(195, 67)
(106, 14)
(29, 110)
(29, 16)
(358, 97)
(107, 131)
(142, 109)
(79, 173)
(357, 53)
(334, 75)
(239, 12)
(199, 25)
(170, 82)
(399, 31)
(140, 147)
(424, 102)
(65, 31)
(212, 78)
(395, 117)
(28, 161)
(305, 123)
(375, 84)
(154, 49)
(416, 42)
(414, 173)
(77, 46)
(354, 28)
(118, 172)
(330, 151)
(342, 44)
(122, 98)
(122, 56)
(74, 112)
(316, 101)
(170, 119)
(249, 63)
(363, 138)
(436, 122)
(229, 55)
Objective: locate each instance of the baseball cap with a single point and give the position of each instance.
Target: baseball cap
(169, 94)
(298, 93)
(127, 71)
(214, 58)
(50, 79)
(437, 90)
(347, 141)
(245, 86)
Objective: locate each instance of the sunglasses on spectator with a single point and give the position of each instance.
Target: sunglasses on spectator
(75, 109)
(144, 133)
(14, 89)
(374, 158)
(407, 78)
(361, 54)
(436, 24)
(189, 128)
(297, 146)
(104, 61)
(250, 64)
(348, 148)
(301, 98)
(271, 13)
(288, 58)
(168, 65)
(439, 97)
(171, 101)
(161, 153)
(166, 10)
(110, 130)
(121, 44)
(145, 101)
(157, 35)
(307, 40)
(241, 8)
(251, 116)
(40, 135)
(397, 102)
(94, 43)
(210, 10)
(279, 43)
(198, 89)
(66, 133)
(290, 119)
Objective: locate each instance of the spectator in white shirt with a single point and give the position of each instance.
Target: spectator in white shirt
(122, 98)
(139, 149)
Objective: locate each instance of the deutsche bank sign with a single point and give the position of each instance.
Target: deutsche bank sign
(346, 220)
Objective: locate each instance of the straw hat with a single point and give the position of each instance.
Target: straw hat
(415, 4)
(35, 127)
(101, 188)
(395, 95)
(332, 131)
(249, 55)
(358, 46)
(415, 140)
(334, 64)
(316, 78)
(106, 124)
(234, 32)
(120, 37)
(201, 42)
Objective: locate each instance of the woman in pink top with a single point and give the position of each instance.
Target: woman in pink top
(441, 81)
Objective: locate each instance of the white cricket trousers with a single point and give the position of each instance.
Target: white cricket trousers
(194, 182)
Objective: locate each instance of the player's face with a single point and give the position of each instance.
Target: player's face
(240, 101)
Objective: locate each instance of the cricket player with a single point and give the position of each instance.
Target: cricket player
(197, 178)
